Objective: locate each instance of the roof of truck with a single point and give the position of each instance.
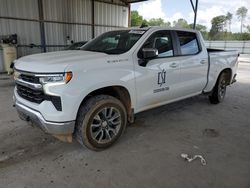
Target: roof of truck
(161, 27)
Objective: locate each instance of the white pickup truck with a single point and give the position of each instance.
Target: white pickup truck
(94, 92)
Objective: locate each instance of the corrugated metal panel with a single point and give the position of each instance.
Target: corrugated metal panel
(19, 8)
(74, 14)
(111, 15)
(56, 34)
(100, 29)
(67, 10)
(116, 2)
(62, 10)
(80, 33)
(52, 49)
(22, 51)
(28, 32)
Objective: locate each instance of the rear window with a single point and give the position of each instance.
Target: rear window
(188, 43)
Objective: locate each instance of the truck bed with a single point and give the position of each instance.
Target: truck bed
(218, 60)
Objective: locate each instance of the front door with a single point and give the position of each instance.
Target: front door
(157, 81)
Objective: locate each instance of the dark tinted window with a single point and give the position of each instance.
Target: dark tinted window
(162, 42)
(188, 42)
(114, 42)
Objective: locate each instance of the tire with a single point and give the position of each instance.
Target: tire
(219, 91)
(101, 120)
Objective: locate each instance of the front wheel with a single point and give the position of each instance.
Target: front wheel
(100, 122)
(219, 91)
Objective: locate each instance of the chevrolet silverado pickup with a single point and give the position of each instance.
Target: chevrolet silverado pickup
(93, 93)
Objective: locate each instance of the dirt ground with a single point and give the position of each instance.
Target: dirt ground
(147, 155)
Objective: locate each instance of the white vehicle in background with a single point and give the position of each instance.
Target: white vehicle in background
(92, 93)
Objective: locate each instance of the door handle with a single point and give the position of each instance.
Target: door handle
(203, 61)
(173, 65)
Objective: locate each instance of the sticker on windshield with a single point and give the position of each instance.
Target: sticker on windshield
(140, 32)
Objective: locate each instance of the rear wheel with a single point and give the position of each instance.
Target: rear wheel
(219, 91)
(100, 122)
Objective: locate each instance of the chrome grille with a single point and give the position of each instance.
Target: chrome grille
(30, 78)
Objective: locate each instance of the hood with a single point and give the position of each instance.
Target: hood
(55, 61)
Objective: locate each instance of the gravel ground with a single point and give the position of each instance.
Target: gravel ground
(147, 155)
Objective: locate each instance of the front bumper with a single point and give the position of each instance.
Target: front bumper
(33, 116)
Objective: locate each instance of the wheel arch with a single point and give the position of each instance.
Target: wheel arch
(228, 72)
(117, 91)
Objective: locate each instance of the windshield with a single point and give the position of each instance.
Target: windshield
(114, 42)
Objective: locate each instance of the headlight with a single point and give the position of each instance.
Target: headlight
(56, 78)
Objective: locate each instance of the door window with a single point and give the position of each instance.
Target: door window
(188, 43)
(162, 42)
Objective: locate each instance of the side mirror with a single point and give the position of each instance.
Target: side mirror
(149, 53)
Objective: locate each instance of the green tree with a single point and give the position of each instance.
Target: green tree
(202, 29)
(218, 24)
(242, 14)
(248, 28)
(181, 23)
(144, 23)
(199, 27)
(136, 19)
(229, 18)
(158, 22)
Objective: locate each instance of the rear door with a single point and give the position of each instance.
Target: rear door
(193, 63)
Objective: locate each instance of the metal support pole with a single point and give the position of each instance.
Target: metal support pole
(129, 15)
(195, 9)
(243, 47)
(195, 14)
(93, 17)
(41, 18)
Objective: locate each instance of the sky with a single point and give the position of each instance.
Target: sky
(171, 10)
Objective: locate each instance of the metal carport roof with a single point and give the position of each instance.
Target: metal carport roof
(133, 1)
(194, 7)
